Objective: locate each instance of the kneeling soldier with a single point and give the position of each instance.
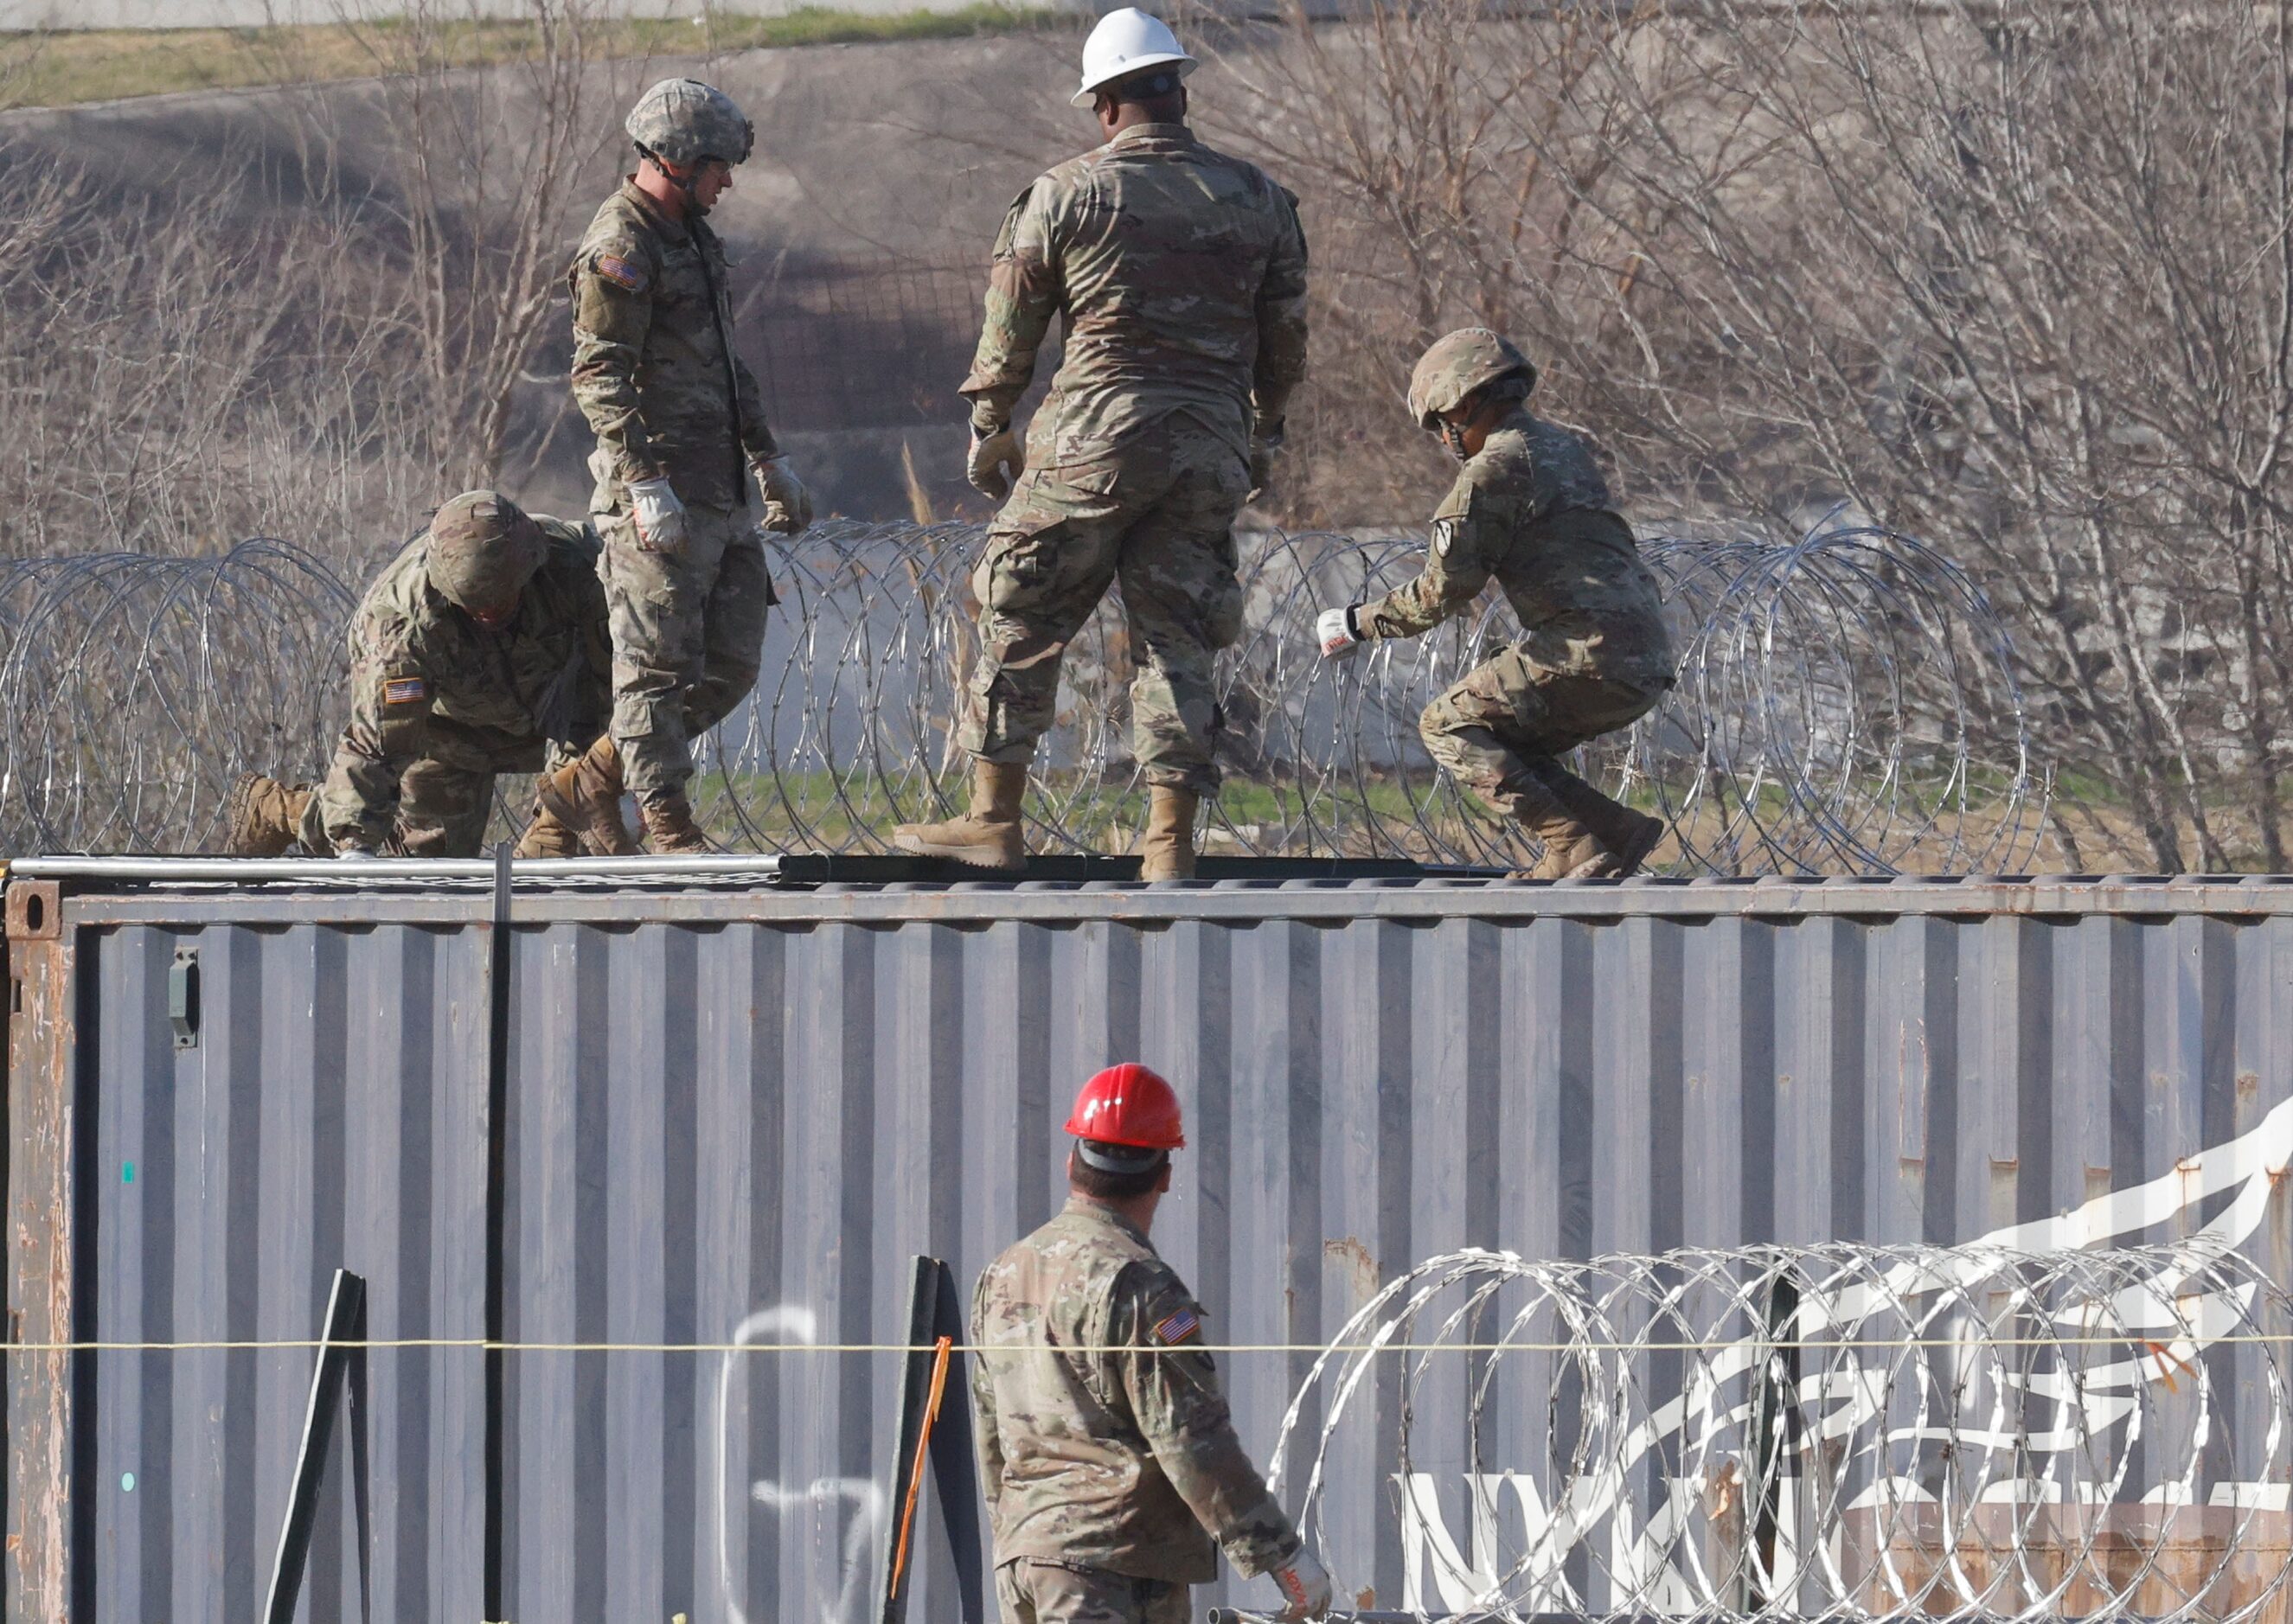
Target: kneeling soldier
(1530, 508)
(1111, 1465)
(481, 648)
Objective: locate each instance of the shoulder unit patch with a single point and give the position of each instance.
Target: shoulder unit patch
(404, 691)
(1179, 1327)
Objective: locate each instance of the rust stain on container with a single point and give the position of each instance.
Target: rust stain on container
(1360, 1268)
(40, 1251)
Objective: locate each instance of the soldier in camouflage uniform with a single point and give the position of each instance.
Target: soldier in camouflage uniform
(481, 648)
(680, 427)
(1529, 507)
(1180, 274)
(1111, 1467)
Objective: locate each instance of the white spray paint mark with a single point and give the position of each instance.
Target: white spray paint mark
(869, 1505)
(867, 1519)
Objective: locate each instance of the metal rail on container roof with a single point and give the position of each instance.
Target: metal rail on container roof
(715, 868)
(395, 870)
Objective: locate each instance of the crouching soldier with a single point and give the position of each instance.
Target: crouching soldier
(481, 648)
(1531, 508)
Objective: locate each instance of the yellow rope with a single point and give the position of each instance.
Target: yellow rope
(2144, 1344)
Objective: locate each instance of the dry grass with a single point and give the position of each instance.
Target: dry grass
(66, 69)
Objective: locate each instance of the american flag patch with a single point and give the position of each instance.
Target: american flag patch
(616, 269)
(404, 691)
(1179, 1327)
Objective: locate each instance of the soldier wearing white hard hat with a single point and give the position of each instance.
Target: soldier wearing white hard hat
(1127, 41)
(1180, 274)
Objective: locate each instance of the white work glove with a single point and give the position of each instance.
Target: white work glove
(660, 516)
(351, 854)
(1337, 632)
(788, 504)
(1305, 1587)
(990, 454)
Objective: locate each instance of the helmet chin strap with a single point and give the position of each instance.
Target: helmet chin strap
(1453, 435)
(684, 184)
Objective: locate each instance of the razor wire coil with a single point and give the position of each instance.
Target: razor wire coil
(1846, 701)
(1774, 1433)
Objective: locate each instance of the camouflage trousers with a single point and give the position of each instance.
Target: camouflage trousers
(1157, 516)
(688, 637)
(444, 798)
(1515, 709)
(1031, 1592)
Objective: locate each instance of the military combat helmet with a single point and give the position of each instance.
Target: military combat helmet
(482, 551)
(682, 121)
(1458, 364)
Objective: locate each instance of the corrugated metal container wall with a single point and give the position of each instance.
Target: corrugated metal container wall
(732, 1117)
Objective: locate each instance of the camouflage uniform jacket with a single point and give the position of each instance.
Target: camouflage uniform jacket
(1119, 1460)
(655, 370)
(1181, 276)
(1533, 510)
(416, 660)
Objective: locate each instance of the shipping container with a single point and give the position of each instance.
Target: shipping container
(730, 1108)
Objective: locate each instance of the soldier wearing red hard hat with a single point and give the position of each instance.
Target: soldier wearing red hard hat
(1112, 1473)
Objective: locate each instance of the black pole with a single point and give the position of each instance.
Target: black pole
(345, 1323)
(498, 977)
(955, 1468)
(915, 1393)
(1775, 1408)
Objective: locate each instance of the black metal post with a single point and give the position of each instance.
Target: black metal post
(497, 987)
(955, 1468)
(935, 1309)
(346, 1325)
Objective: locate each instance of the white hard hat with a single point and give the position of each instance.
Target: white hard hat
(1124, 43)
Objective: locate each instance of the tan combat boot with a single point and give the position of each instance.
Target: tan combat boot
(262, 816)
(1570, 850)
(1170, 848)
(1625, 836)
(987, 837)
(546, 837)
(670, 831)
(584, 795)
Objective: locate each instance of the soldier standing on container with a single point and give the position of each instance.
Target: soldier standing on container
(1180, 274)
(481, 648)
(1531, 508)
(1111, 1467)
(680, 426)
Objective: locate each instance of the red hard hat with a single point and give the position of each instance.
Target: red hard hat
(1128, 1104)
